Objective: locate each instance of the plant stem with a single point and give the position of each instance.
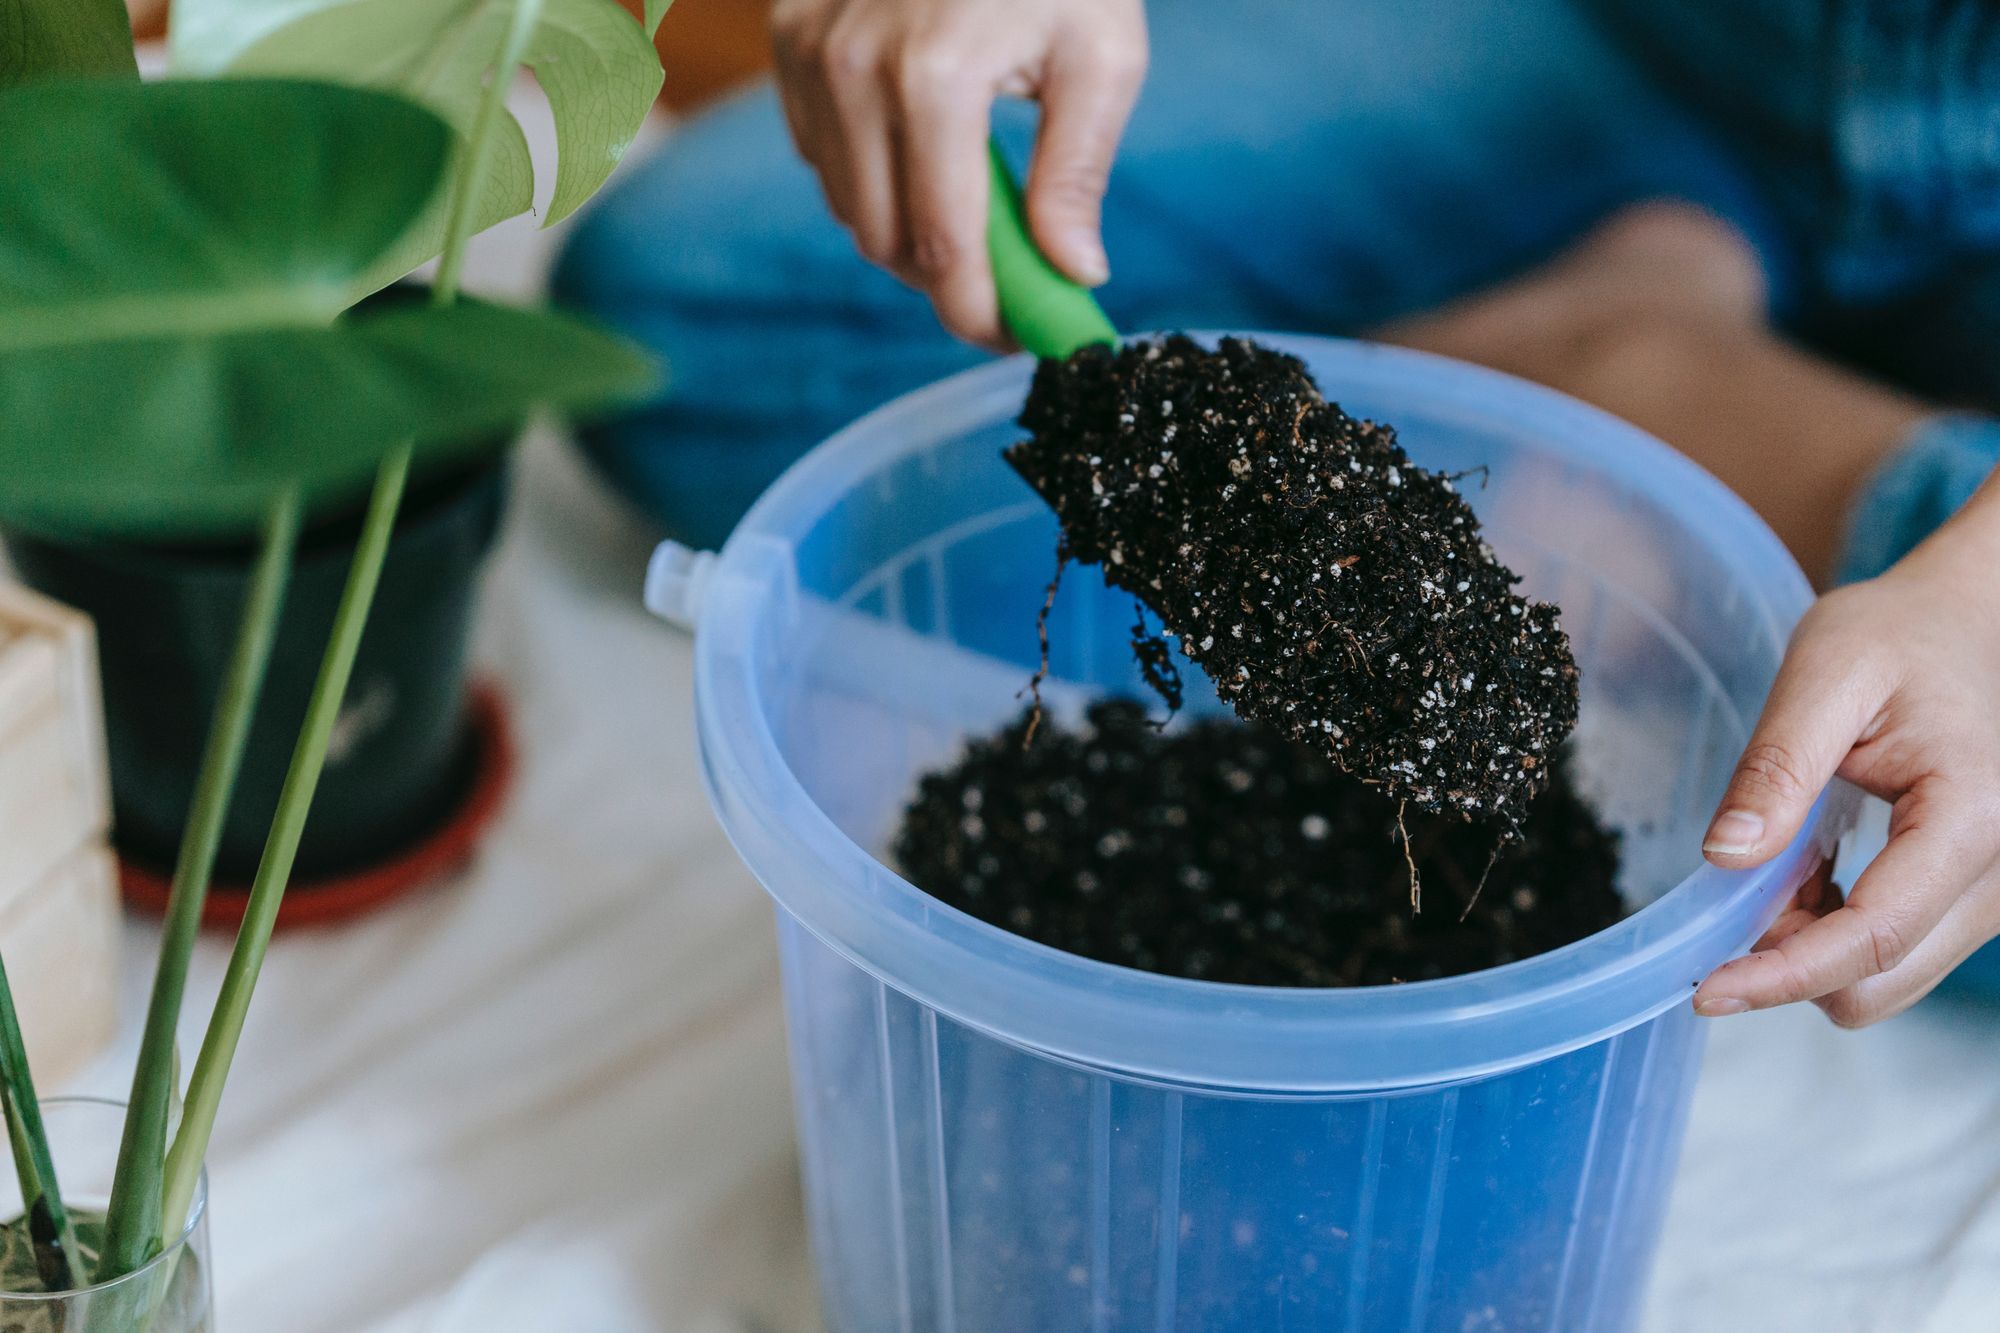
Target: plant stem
(132, 1232)
(225, 1026)
(274, 870)
(48, 1221)
(478, 148)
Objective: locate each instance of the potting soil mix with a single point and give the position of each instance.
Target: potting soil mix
(1403, 708)
(1224, 851)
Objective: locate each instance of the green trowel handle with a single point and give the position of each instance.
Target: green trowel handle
(1046, 312)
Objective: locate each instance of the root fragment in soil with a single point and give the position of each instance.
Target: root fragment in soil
(1225, 851)
(1333, 590)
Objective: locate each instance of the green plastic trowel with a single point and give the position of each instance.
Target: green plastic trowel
(1047, 313)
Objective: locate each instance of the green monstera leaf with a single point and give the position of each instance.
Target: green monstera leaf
(42, 39)
(155, 208)
(171, 351)
(595, 62)
(192, 433)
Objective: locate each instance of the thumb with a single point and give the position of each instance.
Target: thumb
(1087, 96)
(1818, 707)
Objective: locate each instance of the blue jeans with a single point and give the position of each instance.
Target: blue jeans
(1323, 165)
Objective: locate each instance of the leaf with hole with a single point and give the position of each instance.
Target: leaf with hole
(595, 62)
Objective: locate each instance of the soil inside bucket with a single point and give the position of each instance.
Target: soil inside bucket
(1332, 589)
(1225, 851)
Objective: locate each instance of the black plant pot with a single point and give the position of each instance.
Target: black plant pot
(404, 751)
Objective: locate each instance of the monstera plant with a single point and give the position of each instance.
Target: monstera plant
(596, 65)
(180, 355)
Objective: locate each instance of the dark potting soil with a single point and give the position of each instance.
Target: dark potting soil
(1332, 590)
(1222, 850)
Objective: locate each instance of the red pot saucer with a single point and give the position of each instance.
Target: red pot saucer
(338, 898)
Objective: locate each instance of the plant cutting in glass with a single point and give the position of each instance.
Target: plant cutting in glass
(200, 244)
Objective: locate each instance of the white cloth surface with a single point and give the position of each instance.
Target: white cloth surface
(551, 1095)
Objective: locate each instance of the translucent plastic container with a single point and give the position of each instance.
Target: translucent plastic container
(1002, 1138)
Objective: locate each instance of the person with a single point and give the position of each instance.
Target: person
(1770, 233)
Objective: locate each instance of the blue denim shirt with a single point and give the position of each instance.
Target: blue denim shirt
(1326, 165)
(1914, 91)
(1879, 120)
(1874, 129)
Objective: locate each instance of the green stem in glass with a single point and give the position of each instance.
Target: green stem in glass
(281, 847)
(49, 1227)
(132, 1229)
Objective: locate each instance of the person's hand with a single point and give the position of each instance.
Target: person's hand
(1894, 685)
(890, 100)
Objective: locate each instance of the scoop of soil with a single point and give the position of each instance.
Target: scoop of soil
(1224, 851)
(1332, 590)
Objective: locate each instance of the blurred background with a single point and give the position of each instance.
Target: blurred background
(707, 46)
(550, 1090)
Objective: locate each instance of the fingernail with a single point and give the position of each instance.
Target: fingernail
(1093, 267)
(1734, 833)
(1720, 1007)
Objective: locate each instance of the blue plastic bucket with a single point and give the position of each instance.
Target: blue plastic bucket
(1001, 1137)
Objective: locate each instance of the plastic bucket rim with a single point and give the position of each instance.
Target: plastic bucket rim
(744, 770)
(962, 941)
